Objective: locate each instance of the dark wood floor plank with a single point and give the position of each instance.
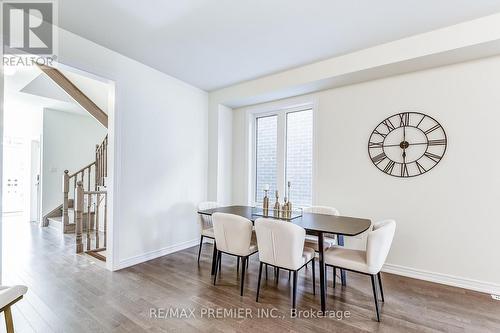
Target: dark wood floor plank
(75, 293)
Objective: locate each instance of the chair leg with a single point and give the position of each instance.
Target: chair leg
(214, 258)
(380, 285)
(277, 274)
(220, 262)
(199, 250)
(248, 260)
(334, 276)
(289, 275)
(294, 293)
(217, 258)
(375, 297)
(237, 265)
(326, 280)
(266, 272)
(314, 277)
(343, 278)
(8, 320)
(243, 266)
(258, 283)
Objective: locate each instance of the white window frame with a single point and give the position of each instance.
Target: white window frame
(280, 110)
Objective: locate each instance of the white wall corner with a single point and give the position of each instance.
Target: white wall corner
(213, 147)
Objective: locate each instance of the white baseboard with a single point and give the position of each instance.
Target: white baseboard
(450, 280)
(156, 254)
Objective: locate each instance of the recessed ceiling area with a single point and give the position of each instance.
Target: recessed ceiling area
(216, 43)
(26, 87)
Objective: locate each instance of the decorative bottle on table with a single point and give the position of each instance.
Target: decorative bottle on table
(265, 204)
(289, 204)
(284, 209)
(277, 205)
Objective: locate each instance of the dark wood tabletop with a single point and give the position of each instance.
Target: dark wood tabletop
(339, 225)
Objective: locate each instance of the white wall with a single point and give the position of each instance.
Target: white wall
(15, 114)
(68, 143)
(447, 218)
(158, 152)
(466, 41)
(225, 128)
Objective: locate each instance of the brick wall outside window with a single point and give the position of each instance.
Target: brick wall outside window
(266, 149)
(298, 162)
(299, 149)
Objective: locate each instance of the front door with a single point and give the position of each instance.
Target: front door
(35, 182)
(14, 167)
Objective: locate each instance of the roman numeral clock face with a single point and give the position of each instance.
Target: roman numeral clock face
(407, 144)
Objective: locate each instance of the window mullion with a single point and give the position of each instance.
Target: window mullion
(281, 155)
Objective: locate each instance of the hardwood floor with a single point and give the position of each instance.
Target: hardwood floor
(74, 293)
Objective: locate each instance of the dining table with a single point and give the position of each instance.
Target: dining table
(313, 223)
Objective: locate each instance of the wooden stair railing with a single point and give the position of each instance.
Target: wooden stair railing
(83, 175)
(75, 93)
(92, 177)
(101, 160)
(87, 202)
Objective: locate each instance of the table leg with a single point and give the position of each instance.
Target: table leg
(214, 259)
(343, 277)
(322, 282)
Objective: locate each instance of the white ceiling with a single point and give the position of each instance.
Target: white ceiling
(26, 87)
(216, 43)
(20, 92)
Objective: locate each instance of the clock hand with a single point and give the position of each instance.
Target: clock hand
(409, 144)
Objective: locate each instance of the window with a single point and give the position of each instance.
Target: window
(284, 153)
(266, 153)
(299, 151)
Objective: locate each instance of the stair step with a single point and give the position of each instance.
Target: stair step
(56, 222)
(56, 219)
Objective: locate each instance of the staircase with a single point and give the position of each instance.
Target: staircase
(83, 211)
(93, 178)
(84, 208)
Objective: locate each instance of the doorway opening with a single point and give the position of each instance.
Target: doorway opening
(55, 160)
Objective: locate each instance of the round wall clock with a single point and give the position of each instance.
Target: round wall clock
(407, 144)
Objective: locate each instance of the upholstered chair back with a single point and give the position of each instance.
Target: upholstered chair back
(233, 233)
(205, 221)
(378, 244)
(322, 210)
(280, 243)
(325, 210)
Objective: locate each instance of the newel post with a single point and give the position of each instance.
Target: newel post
(79, 216)
(65, 182)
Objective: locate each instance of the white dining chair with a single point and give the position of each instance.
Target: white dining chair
(312, 241)
(233, 236)
(9, 296)
(205, 223)
(281, 245)
(367, 262)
